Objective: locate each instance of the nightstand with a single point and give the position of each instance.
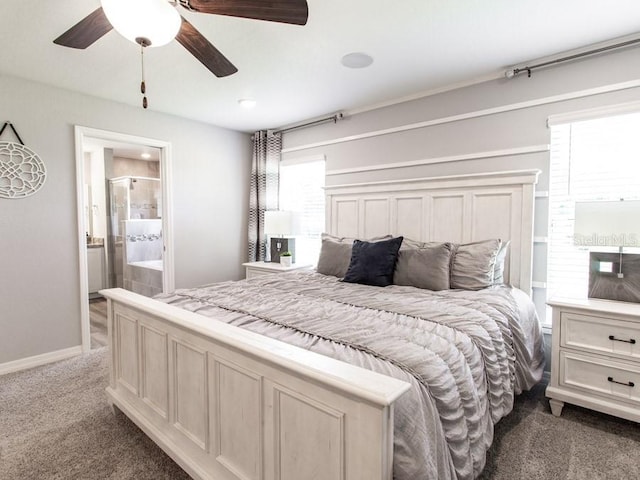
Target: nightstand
(257, 269)
(595, 356)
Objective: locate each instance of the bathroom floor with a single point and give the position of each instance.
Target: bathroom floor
(98, 322)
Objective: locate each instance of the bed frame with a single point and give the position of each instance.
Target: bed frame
(229, 404)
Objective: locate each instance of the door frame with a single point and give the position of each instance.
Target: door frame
(168, 273)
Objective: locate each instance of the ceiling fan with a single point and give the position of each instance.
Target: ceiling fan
(105, 18)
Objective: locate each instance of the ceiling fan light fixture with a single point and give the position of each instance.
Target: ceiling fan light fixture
(155, 20)
(247, 103)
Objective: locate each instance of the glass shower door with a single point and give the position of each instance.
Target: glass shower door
(118, 213)
(135, 234)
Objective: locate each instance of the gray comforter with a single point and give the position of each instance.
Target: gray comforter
(465, 353)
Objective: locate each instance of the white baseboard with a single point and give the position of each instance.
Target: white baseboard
(37, 360)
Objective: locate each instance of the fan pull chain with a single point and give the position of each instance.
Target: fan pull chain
(143, 87)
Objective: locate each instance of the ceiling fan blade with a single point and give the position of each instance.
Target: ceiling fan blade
(201, 48)
(283, 11)
(86, 31)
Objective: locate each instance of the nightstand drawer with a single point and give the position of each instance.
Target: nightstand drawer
(609, 378)
(254, 272)
(600, 335)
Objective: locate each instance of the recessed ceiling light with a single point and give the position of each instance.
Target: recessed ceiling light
(146, 156)
(247, 102)
(356, 60)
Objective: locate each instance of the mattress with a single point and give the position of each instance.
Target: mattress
(465, 353)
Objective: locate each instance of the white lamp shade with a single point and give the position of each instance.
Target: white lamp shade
(280, 222)
(155, 20)
(614, 224)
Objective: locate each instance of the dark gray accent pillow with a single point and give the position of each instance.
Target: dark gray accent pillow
(498, 269)
(335, 254)
(373, 263)
(472, 264)
(424, 267)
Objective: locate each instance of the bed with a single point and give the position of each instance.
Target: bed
(305, 376)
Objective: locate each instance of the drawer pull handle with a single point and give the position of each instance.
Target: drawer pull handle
(631, 341)
(628, 384)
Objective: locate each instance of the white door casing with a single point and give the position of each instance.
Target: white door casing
(168, 278)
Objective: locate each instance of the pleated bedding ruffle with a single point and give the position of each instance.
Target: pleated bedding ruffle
(466, 353)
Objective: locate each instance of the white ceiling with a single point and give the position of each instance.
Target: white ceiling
(294, 72)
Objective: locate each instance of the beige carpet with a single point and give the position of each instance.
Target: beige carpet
(530, 443)
(55, 424)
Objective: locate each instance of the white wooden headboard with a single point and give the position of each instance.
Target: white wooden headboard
(460, 208)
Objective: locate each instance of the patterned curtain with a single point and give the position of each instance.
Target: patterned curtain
(263, 193)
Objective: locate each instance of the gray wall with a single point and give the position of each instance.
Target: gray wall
(527, 103)
(39, 285)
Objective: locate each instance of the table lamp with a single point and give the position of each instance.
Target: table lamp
(610, 224)
(281, 226)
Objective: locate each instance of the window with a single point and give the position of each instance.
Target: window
(302, 190)
(596, 159)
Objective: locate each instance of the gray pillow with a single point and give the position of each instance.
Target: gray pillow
(472, 264)
(498, 269)
(334, 257)
(335, 254)
(424, 267)
(408, 243)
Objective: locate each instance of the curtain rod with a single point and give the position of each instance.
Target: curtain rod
(334, 118)
(512, 72)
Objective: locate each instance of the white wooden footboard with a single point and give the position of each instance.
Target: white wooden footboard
(226, 403)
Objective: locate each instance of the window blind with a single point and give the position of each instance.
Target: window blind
(591, 160)
(302, 190)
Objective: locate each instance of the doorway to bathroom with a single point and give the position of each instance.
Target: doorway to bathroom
(124, 222)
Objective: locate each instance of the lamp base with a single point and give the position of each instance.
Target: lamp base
(607, 282)
(281, 245)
